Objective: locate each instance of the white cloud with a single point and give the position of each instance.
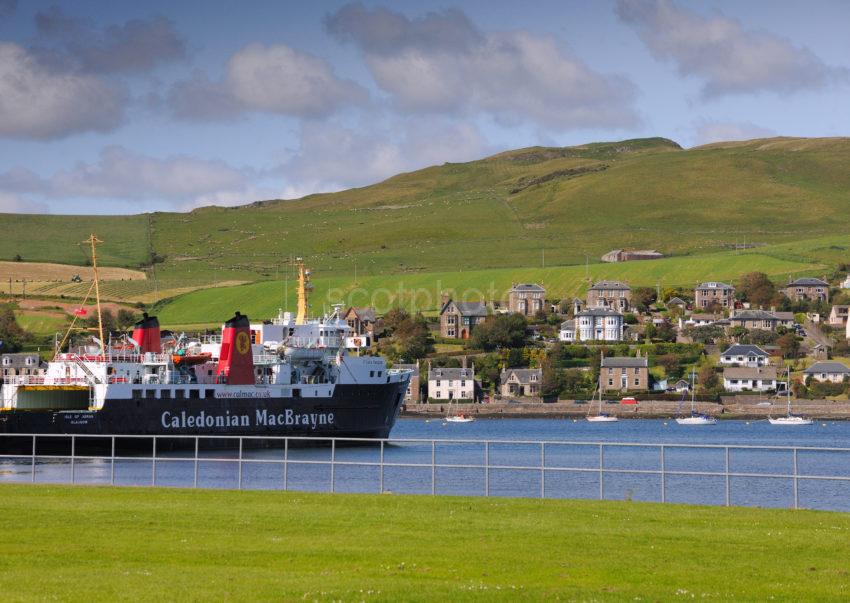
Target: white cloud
(11, 203)
(333, 157)
(441, 63)
(719, 131)
(272, 79)
(124, 176)
(37, 102)
(726, 57)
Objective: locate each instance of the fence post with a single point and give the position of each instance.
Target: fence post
(728, 484)
(796, 492)
(381, 485)
(73, 451)
(153, 463)
(433, 467)
(333, 460)
(195, 480)
(542, 469)
(240, 462)
(601, 472)
(487, 468)
(112, 464)
(33, 458)
(663, 477)
(286, 464)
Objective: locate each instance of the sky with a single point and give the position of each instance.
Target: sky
(118, 107)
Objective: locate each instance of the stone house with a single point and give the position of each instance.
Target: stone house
(756, 379)
(21, 365)
(833, 372)
(807, 289)
(413, 395)
(760, 319)
(744, 355)
(610, 294)
(458, 319)
(526, 299)
(624, 374)
(451, 383)
(713, 293)
(520, 382)
(363, 321)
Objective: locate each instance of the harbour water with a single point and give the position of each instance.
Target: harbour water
(504, 458)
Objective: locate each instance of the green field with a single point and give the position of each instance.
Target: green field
(422, 291)
(87, 543)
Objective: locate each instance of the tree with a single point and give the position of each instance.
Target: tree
(12, 335)
(552, 383)
(643, 297)
(758, 289)
(409, 337)
(790, 345)
(125, 319)
(666, 332)
(671, 365)
(502, 331)
(707, 378)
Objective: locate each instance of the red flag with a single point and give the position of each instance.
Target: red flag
(80, 312)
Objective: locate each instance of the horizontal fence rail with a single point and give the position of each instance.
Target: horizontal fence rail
(701, 473)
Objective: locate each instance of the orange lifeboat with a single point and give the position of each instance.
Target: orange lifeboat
(191, 359)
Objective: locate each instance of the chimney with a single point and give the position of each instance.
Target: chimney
(236, 357)
(146, 334)
(463, 362)
(444, 299)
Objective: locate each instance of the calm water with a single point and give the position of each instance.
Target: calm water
(571, 468)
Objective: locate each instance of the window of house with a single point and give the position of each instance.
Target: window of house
(637, 381)
(610, 371)
(610, 382)
(438, 383)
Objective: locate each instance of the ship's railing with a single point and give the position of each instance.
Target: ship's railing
(314, 342)
(267, 359)
(798, 477)
(45, 380)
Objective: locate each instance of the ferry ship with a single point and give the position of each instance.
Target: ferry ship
(289, 376)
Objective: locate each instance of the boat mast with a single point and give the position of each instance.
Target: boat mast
(94, 241)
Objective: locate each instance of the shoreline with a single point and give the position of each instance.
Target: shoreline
(651, 409)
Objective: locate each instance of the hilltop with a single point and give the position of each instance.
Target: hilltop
(569, 205)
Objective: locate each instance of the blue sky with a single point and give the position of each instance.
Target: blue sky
(123, 107)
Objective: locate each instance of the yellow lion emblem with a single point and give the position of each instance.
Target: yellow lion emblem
(243, 343)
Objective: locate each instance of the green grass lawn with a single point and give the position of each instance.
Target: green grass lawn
(86, 543)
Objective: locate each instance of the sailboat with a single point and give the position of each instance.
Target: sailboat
(458, 417)
(789, 419)
(696, 418)
(601, 417)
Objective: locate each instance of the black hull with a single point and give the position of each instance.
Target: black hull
(354, 411)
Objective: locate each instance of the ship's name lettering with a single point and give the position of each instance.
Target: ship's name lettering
(262, 418)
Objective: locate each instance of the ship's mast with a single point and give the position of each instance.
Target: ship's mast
(303, 288)
(94, 241)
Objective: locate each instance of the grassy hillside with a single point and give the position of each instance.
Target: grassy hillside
(155, 544)
(422, 291)
(498, 212)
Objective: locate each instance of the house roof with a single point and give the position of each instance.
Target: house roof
(744, 350)
(705, 316)
(599, 312)
(568, 325)
(467, 308)
(676, 301)
(624, 362)
(528, 287)
(523, 375)
(754, 315)
(17, 361)
(707, 286)
(610, 285)
(451, 373)
(364, 314)
(744, 372)
(827, 367)
(414, 367)
(808, 282)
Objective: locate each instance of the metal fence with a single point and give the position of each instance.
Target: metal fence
(712, 474)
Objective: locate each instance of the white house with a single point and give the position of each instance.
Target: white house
(451, 383)
(744, 355)
(755, 379)
(599, 324)
(568, 331)
(834, 372)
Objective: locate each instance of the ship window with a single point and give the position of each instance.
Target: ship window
(180, 394)
(165, 394)
(371, 373)
(296, 392)
(194, 394)
(150, 394)
(208, 393)
(137, 393)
